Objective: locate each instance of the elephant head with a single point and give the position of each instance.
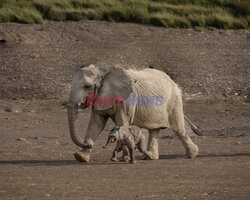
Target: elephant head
(113, 136)
(95, 81)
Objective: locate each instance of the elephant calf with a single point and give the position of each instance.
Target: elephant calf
(130, 137)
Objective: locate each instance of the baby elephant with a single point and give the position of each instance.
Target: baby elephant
(131, 137)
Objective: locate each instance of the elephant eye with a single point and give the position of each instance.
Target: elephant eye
(87, 86)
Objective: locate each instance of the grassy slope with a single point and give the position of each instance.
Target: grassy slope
(226, 14)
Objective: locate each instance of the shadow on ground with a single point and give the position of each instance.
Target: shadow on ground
(74, 162)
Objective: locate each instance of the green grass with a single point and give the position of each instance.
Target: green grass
(197, 14)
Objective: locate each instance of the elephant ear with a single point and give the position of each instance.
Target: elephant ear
(116, 86)
(135, 130)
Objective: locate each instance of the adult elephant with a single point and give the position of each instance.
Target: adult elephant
(147, 98)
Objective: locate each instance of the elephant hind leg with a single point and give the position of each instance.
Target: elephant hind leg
(176, 121)
(142, 146)
(152, 152)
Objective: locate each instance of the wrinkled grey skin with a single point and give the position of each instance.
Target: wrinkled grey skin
(115, 81)
(131, 138)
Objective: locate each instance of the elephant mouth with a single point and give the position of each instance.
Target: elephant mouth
(112, 139)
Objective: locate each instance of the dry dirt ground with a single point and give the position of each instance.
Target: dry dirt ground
(37, 63)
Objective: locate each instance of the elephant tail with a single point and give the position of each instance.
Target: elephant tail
(193, 127)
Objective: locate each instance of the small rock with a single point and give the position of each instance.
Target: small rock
(35, 137)
(8, 109)
(16, 111)
(20, 139)
(64, 105)
(2, 41)
(237, 143)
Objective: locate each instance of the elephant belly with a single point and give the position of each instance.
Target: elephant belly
(151, 117)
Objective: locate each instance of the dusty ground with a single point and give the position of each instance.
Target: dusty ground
(38, 61)
(36, 66)
(42, 166)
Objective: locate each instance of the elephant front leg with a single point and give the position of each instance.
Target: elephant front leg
(95, 127)
(118, 149)
(153, 153)
(114, 156)
(121, 119)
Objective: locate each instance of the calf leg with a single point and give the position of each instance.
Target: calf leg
(125, 155)
(118, 148)
(132, 155)
(121, 119)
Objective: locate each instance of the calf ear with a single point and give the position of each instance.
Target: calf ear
(130, 129)
(135, 130)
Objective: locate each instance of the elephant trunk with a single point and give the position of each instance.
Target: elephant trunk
(72, 119)
(110, 139)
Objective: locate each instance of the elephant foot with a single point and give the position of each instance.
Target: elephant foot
(145, 158)
(82, 157)
(151, 156)
(192, 152)
(132, 162)
(114, 159)
(125, 158)
(156, 157)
